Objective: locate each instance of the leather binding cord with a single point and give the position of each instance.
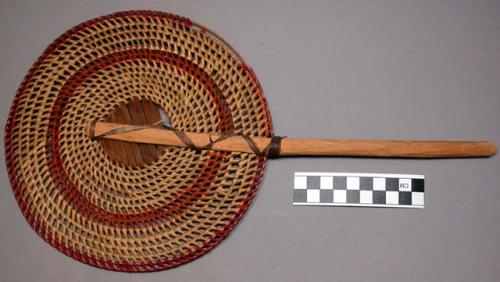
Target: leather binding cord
(272, 150)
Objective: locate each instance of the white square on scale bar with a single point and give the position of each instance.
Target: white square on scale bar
(366, 197)
(313, 196)
(326, 182)
(352, 183)
(300, 182)
(339, 196)
(417, 198)
(379, 183)
(392, 197)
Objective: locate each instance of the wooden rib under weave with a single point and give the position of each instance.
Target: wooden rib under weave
(149, 217)
(135, 112)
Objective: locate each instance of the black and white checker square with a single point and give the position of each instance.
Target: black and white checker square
(350, 189)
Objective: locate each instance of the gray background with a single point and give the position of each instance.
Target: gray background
(346, 69)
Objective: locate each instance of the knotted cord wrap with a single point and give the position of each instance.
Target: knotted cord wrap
(272, 150)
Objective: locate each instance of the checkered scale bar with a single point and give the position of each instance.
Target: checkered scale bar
(358, 189)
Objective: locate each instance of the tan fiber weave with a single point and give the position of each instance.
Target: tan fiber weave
(134, 218)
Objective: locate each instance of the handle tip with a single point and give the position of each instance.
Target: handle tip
(492, 148)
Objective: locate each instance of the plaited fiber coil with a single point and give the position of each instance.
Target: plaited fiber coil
(134, 218)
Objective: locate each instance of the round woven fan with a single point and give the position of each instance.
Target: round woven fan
(140, 215)
(146, 207)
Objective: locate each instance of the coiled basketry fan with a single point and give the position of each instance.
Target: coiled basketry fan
(87, 158)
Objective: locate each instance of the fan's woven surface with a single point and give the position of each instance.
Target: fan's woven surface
(142, 218)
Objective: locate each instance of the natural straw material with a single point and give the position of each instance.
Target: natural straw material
(134, 218)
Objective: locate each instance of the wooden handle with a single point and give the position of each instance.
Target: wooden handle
(387, 148)
(307, 146)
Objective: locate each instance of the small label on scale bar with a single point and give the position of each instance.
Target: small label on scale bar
(358, 189)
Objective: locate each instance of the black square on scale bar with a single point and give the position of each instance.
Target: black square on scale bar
(417, 185)
(353, 196)
(392, 184)
(405, 198)
(379, 197)
(366, 183)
